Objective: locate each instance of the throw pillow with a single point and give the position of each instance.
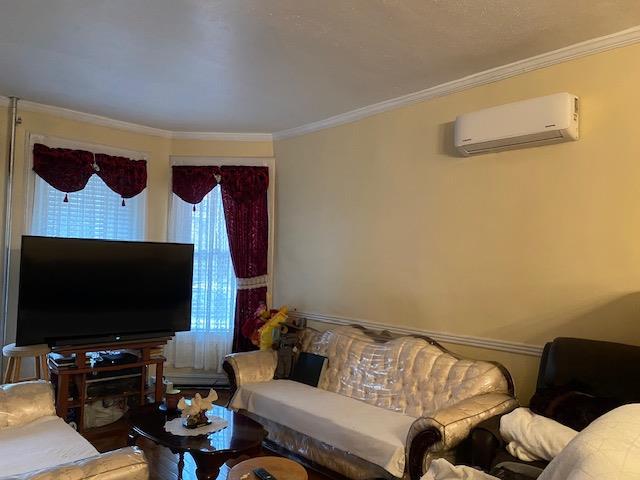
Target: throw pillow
(606, 449)
(309, 368)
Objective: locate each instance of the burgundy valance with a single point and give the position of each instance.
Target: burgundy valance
(69, 170)
(192, 183)
(64, 169)
(126, 177)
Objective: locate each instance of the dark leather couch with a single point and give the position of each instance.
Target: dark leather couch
(606, 373)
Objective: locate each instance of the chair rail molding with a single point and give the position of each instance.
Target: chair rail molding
(468, 340)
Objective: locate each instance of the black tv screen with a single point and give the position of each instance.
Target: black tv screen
(76, 290)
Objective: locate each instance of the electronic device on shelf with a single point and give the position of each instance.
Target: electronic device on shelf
(82, 292)
(106, 373)
(112, 357)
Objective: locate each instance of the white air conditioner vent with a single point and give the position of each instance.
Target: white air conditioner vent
(529, 123)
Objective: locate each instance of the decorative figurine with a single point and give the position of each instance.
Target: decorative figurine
(194, 411)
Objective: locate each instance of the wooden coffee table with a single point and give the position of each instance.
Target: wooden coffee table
(281, 468)
(209, 451)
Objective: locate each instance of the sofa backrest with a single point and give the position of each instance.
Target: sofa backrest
(413, 375)
(24, 402)
(594, 367)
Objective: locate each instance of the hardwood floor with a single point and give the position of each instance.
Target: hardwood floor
(163, 465)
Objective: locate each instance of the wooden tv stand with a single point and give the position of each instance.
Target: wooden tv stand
(79, 374)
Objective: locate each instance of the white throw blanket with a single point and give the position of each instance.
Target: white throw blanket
(532, 437)
(440, 469)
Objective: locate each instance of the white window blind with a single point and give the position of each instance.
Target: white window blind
(214, 284)
(94, 212)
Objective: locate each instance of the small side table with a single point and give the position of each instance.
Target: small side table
(281, 468)
(15, 356)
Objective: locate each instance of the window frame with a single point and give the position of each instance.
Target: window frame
(269, 162)
(58, 142)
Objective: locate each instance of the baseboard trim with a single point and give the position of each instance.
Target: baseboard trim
(471, 341)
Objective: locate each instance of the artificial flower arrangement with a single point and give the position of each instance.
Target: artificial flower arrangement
(264, 323)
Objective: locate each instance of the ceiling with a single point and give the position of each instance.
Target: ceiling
(269, 65)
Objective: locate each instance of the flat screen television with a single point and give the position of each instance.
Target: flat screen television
(75, 291)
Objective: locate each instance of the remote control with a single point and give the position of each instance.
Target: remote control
(262, 474)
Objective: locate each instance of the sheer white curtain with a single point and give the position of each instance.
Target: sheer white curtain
(94, 212)
(214, 284)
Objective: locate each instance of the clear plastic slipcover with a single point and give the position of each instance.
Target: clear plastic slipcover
(322, 454)
(124, 464)
(27, 402)
(403, 374)
(24, 402)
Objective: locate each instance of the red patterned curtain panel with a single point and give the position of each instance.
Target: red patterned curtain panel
(69, 170)
(192, 183)
(244, 199)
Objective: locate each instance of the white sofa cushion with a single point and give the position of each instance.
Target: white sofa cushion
(369, 432)
(43, 443)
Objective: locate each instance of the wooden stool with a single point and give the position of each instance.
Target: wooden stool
(281, 468)
(15, 356)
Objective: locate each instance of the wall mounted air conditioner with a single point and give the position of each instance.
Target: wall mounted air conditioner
(529, 123)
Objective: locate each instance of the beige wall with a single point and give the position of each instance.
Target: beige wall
(380, 220)
(202, 148)
(158, 150)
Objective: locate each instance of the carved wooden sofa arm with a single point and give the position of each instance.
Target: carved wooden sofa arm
(124, 464)
(432, 437)
(250, 367)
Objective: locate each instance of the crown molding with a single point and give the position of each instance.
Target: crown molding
(238, 137)
(468, 340)
(69, 114)
(578, 50)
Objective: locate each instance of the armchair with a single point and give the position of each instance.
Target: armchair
(590, 377)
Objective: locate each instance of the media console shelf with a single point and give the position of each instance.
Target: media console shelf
(72, 381)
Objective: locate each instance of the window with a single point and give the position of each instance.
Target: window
(94, 212)
(214, 285)
(214, 281)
